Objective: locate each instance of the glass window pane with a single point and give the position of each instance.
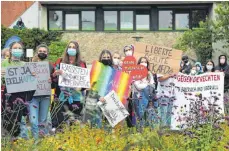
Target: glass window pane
(165, 20)
(55, 20)
(88, 20)
(126, 20)
(142, 22)
(110, 20)
(182, 21)
(72, 21)
(197, 16)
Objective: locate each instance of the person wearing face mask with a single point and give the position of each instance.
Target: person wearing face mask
(143, 92)
(38, 116)
(209, 66)
(72, 102)
(11, 118)
(199, 69)
(129, 50)
(193, 71)
(116, 61)
(106, 58)
(224, 67)
(185, 65)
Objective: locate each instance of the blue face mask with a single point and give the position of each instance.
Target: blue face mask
(71, 52)
(17, 53)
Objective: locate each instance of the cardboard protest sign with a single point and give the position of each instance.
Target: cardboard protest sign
(20, 79)
(41, 69)
(209, 87)
(74, 77)
(137, 72)
(107, 79)
(113, 109)
(162, 60)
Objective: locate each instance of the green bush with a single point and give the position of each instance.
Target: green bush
(56, 50)
(199, 40)
(31, 38)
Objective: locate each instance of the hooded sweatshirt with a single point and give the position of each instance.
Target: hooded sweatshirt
(224, 68)
(201, 69)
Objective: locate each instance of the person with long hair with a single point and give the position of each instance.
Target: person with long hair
(39, 105)
(143, 92)
(116, 61)
(14, 105)
(70, 99)
(209, 66)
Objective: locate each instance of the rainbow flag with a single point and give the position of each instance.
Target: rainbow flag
(105, 79)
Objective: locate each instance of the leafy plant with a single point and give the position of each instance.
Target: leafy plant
(199, 40)
(56, 50)
(31, 38)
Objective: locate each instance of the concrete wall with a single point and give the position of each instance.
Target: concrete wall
(92, 43)
(30, 17)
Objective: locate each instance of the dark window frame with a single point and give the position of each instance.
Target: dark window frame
(152, 23)
(94, 18)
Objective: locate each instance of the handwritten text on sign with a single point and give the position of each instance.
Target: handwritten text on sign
(113, 109)
(42, 71)
(20, 79)
(162, 60)
(137, 72)
(74, 77)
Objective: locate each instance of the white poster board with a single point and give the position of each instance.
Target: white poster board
(74, 77)
(20, 79)
(113, 109)
(42, 71)
(209, 85)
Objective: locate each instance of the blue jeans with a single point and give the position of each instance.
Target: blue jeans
(165, 109)
(39, 107)
(23, 128)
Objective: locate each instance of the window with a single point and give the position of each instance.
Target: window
(88, 20)
(165, 20)
(72, 21)
(182, 21)
(126, 20)
(110, 20)
(55, 20)
(142, 20)
(197, 16)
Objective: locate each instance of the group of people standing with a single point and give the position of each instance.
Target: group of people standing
(45, 117)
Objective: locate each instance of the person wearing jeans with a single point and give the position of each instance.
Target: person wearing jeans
(39, 105)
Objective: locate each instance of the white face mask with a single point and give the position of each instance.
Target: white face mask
(209, 67)
(129, 53)
(144, 64)
(222, 61)
(193, 72)
(116, 61)
(198, 68)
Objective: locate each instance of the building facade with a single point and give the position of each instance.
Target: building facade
(112, 25)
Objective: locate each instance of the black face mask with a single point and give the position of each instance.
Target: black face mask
(185, 61)
(107, 62)
(42, 56)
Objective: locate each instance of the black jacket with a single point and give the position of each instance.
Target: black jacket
(186, 69)
(225, 69)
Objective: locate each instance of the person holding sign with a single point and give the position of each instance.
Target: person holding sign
(129, 50)
(15, 110)
(143, 91)
(39, 105)
(209, 66)
(69, 98)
